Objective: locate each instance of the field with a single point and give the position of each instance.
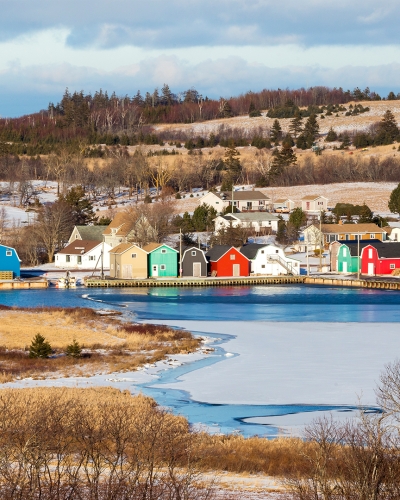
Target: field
(108, 345)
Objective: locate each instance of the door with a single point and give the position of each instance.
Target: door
(345, 267)
(127, 271)
(236, 269)
(197, 269)
(371, 270)
(154, 270)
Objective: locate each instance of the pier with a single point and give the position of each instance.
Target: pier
(389, 284)
(23, 284)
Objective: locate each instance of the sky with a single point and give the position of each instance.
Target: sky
(222, 48)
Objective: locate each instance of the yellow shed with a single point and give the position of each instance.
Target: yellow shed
(128, 261)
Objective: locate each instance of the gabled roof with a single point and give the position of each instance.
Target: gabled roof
(79, 247)
(312, 197)
(124, 247)
(122, 223)
(388, 250)
(388, 229)
(91, 233)
(218, 251)
(353, 245)
(193, 248)
(153, 246)
(348, 228)
(282, 200)
(242, 195)
(250, 251)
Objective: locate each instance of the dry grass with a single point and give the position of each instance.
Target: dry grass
(108, 344)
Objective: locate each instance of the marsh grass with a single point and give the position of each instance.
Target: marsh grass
(108, 344)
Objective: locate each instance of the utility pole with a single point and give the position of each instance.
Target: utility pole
(321, 241)
(232, 197)
(102, 263)
(180, 252)
(358, 256)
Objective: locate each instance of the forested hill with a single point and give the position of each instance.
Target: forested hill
(80, 119)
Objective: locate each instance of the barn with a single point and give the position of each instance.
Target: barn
(227, 261)
(380, 258)
(194, 263)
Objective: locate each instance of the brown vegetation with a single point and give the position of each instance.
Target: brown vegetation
(108, 344)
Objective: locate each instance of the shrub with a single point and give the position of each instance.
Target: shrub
(39, 347)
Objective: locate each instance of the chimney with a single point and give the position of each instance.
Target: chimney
(340, 222)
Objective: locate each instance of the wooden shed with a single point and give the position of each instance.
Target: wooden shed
(227, 261)
(380, 258)
(128, 261)
(162, 260)
(194, 263)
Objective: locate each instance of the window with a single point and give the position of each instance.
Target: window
(346, 236)
(91, 257)
(217, 202)
(79, 259)
(344, 252)
(232, 256)
(67, 258)
(262, 266)
(370, 253)
(261, 202)
(163, 250)
(372, 236)
(163, 267)
(262, 251)
(194, 253)
(8, 253)
(76, 236)
(134, 255)
(276, 251)
(249, 204)
(392, 266)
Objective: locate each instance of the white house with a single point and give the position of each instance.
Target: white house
(314, 203)
(283, 205)
(83, 254)
(89, 233)
(260, 222)
(242, 200)
(269, 260)
(393, 233)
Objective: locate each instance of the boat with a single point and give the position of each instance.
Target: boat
(66, 282)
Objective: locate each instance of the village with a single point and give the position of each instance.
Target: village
(249, 222)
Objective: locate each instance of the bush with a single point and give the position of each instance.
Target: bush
(73, 350)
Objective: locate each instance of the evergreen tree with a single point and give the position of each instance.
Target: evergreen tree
(281, 234)
(282, 159)
(203, 217)
(296, 125)
(253, 112)
(276, 132)
(73, 350)
(388, 128)
(232, 163)
(394, 201)
(391, 96)
(82, 208)
(311, 128)
(366, 215)
(298, 218)
(138, 99)
(166, 95)
(39, 347)
(331, 136)
(288, 140)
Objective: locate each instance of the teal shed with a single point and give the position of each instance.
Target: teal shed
(163, 260)
(346, 262)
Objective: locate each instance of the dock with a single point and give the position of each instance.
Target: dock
(389, 284)
(23, 284)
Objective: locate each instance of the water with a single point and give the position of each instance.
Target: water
(239, 304)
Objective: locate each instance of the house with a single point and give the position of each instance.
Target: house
(162, 260)
(194, 263)
(9, 261)
(393, 233)
(314, 203)
(227, 261)
(283, 205)
(83, 254)
(242, 200)
(314, 237)
(118, 230)
(260, 222)
(269, 259)
(128, 261)
(380, 258)
(88, 233)
(344, 256)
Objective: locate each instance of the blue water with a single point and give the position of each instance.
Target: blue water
(247, 304)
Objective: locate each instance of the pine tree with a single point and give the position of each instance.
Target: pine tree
(366, 215)
(82, 208)
(296, 125)
(281, 234)
(232, 163)
(298, 218)
(345, 142)
(282, 159)
(394, 201)
(73, 350)
(331, 136)
(311, 127)
(276, 132)
(388, 126)
(166, 95)
(39, 347)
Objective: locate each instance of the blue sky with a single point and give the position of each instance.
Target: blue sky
(221, 48)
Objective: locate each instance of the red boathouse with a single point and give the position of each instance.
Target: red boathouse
(227, 261)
